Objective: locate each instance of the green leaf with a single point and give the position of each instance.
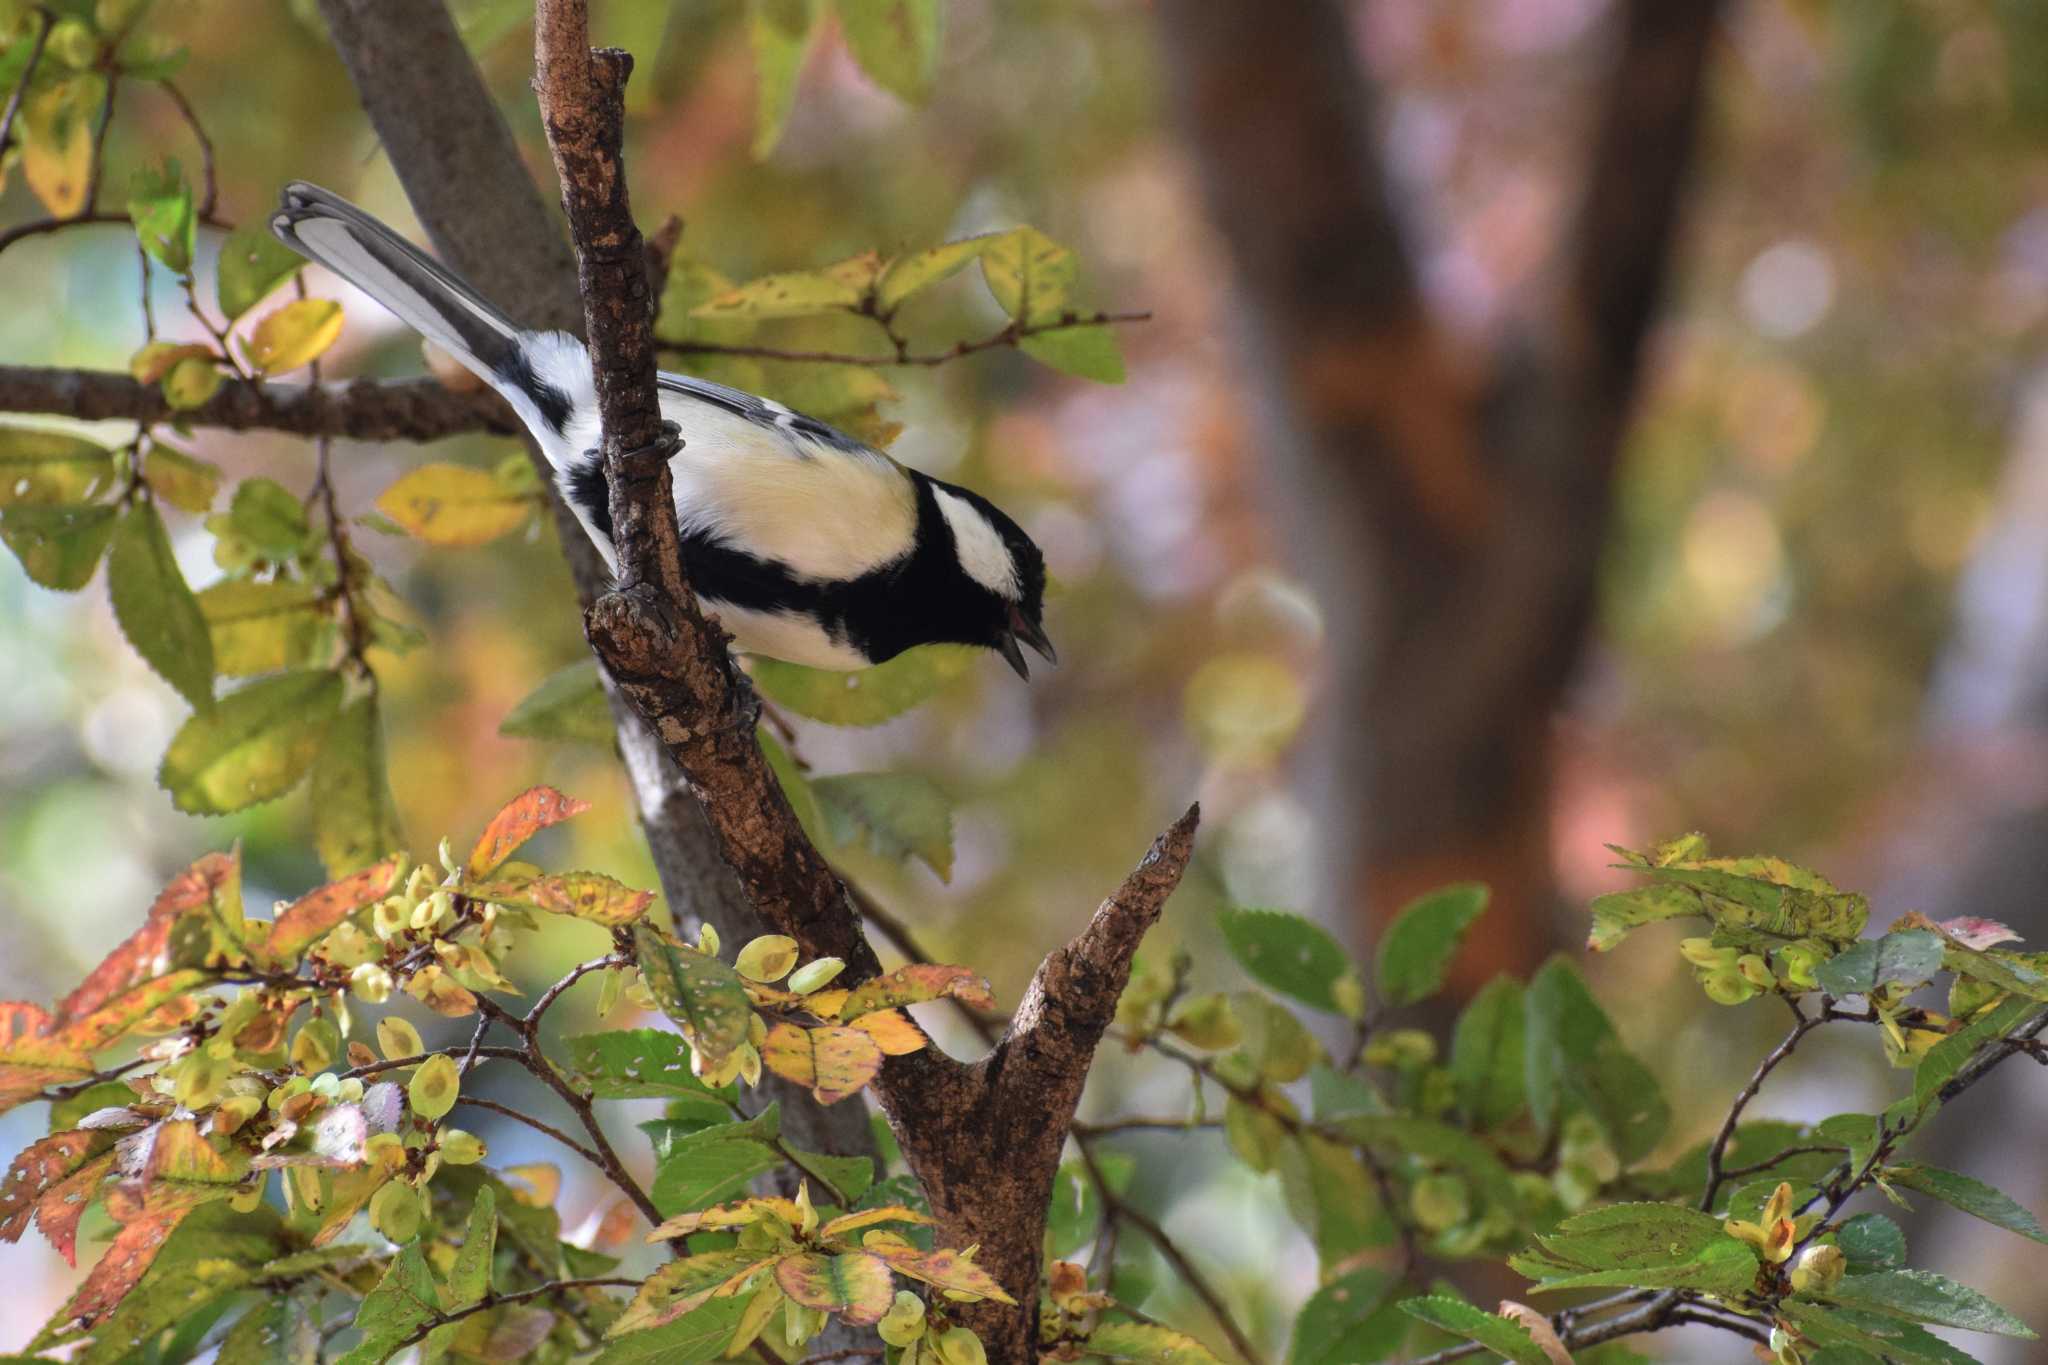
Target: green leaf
(1416, 949)
(868, 696)
(1330, 1193)
(1076, 1211)
(1574, 1059)
(184, 482)
(58, 546)
(1089, 351)
(693, 283)
(261, 626)
(1498, 1335)
(1633, 1237)
(906, 275)
(1923, 1296)
(1439, 1143)
(355, 819)
(157, 611)
(470, 1280)
(1618, 912)
(1971, 1195)
(699, 1169)
(898, 815)
(848, 1177)
(1855, 1338)
(52, 467)
(1149, 1342)
(637, 1064)
(253, 745)
(699, 992)
(1755, 894)
(277, 1331)
(781, 33)
(896, 42)
(1287, 953)
(252, 263)
(570, 704)
(1487, 1049)
(210, 1255)
(160, 203)
(403, 1301)
(1348, 1321)
(1030, 275)
(1911, 955)
(267, 518)
(1725, 1267)
(1948, 1056)
(699, 1335)
(1872, 1241)
(840, 287)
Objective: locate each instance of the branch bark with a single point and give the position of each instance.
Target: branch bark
(365, 410)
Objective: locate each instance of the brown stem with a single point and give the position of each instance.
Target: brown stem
(208, 177)
(546, 1129)
(441, 1318)
(1717, 1152)
(28, 73)
(1007, 336)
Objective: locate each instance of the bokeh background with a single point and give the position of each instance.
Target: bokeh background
(1816, 576)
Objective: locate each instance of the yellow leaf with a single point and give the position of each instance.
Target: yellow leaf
(455, 506)
(892, 1031)
(154, 361)
(56, 143)
(833, 1062)
(294, 335)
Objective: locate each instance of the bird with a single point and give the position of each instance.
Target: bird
(810, 546)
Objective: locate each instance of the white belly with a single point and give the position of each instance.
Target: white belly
(784, 635)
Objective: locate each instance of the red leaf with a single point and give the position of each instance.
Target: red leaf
(1974, 931)
(127, 1259)
(143, 955)
(63, 1204)
(21, 1022)
(41, 1165)
(528, 814)
(306, 919)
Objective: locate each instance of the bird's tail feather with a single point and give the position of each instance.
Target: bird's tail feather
(324, 227)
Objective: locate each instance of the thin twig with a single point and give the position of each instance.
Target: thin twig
(1006, 336)
(441, 1318)
(35, 56)
(549, 1130)
(99, 141)
(208, 177)
(905, 940)
(1717, 1151)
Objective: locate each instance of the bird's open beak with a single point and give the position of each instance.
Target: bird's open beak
(1030, 633)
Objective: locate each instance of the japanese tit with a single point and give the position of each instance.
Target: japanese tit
(809, 545)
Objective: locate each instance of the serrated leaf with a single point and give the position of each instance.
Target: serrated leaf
(403, 1301)
(524, 816)
(1487, 1054)
(867, 696)
(906, 275)
(296, 334)
(1726, 1267)
(832, 1062)
(1502, 1337)
(252, 263)
(1572, 1056)
(1923, 1296)
(690, 1339)
(39, 1167)
(308, 919)
(253, 746)
(455, 506)
(568, 705)
(1969, 1194)
(1872, 1241)
(1948, 1056)
(682, 1286)
(268, 517)
(636, 1064)
(1851, 1337)
(915, 983)
(584, 895)
(1911, 955)
(58, 546)
(1348, 1319)
(896, 43)
(1416, 950)
(355, 818)
(1148, 1342)
(709, 1165)
(702, 994)
(156, 610)
(1287, 953)
(160, 205)
(945, 1268)
(897, 815)
(261, 626)
(52, 467)
(1755, 893)
(853, 1284)
(780, 33)
(1088, 351)
(1633, 1236)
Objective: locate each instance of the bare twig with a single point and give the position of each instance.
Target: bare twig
(441, 1318)
(1006, 336)
(546, 1129)
(28, 73)
(1717, 1151)
(208, 177)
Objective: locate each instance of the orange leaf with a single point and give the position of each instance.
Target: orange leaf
(737, 1214)
(833, 1062)
(137, 1244)
(180, 1152)
(529, 813)
(145, 952)
(126, 1010)
(63, 1204)
(867, 1218)
(307, 919)
(946, 1269)
(893, 1031)
(586, 895)
(30, 1058)
(916, 983)
(854, 1284)
(41, 1165)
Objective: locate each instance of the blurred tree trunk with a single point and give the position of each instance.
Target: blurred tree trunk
(1450, 512)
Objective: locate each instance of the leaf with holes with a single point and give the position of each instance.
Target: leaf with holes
(52, 467)
(854, 1284)
(523, 817)
(702, 994)
(40, 1167)
(253, 746)
(832, 1062)
(915, 984)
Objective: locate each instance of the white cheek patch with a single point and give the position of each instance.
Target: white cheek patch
(983, 553)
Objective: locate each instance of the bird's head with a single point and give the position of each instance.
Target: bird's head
(998, 577)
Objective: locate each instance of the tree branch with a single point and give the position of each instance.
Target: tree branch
(364, 410)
